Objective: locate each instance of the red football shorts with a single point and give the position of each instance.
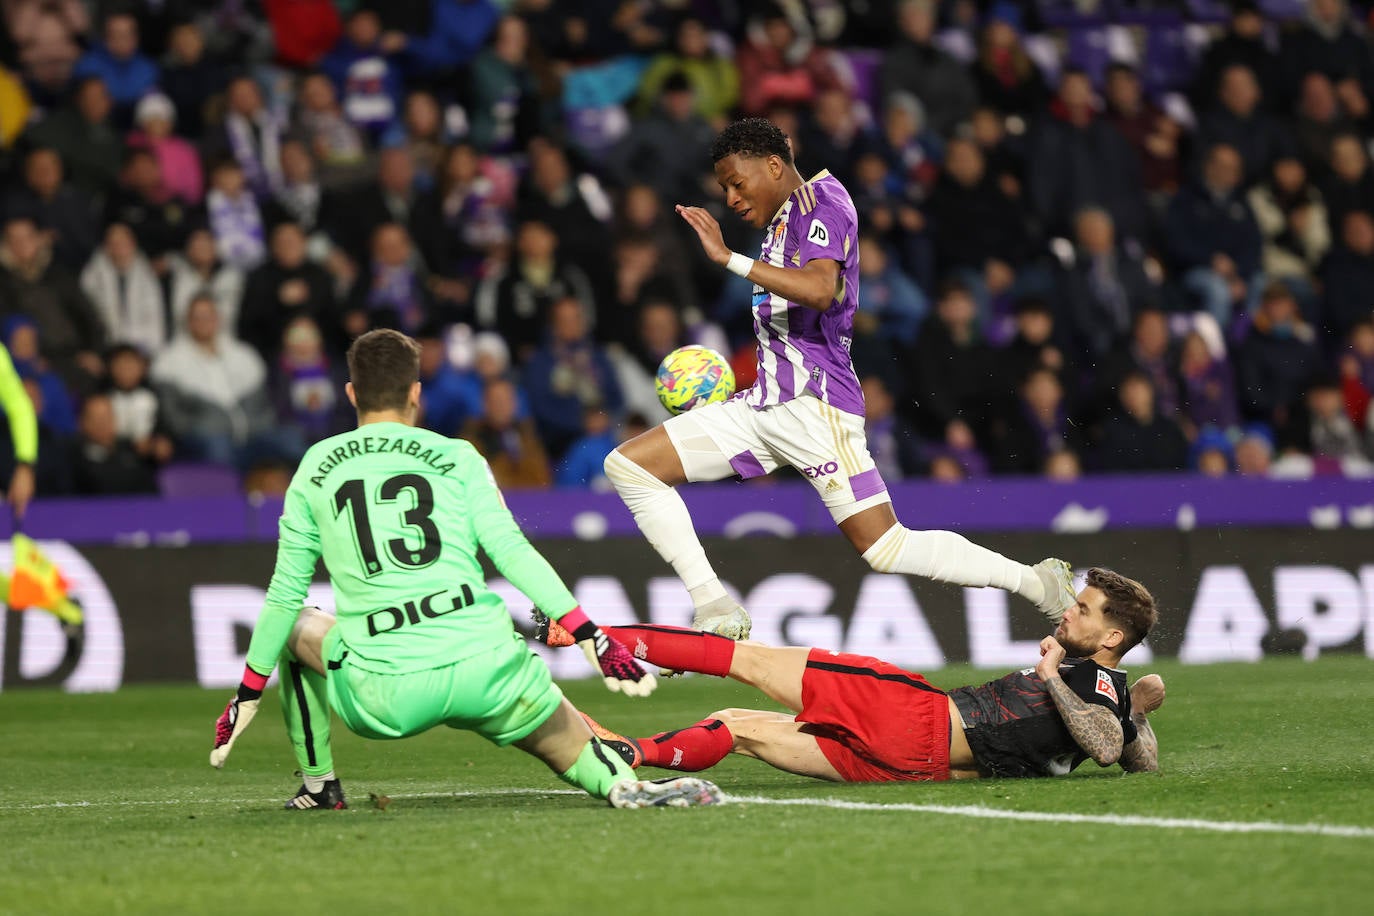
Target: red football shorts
(875, 722)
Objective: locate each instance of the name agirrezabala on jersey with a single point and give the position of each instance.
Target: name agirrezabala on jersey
(376, 445)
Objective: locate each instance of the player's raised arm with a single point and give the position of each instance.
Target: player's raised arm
(814, 284)
(525, 568)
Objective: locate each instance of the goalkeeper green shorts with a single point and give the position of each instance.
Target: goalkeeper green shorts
(502, 694)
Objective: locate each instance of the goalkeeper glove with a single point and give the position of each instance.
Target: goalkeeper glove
(619, 669)
(236, 716)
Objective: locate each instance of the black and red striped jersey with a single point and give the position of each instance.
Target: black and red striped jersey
(1014, 728)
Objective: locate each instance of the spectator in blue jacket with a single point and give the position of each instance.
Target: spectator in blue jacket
(1213, 239)
(568, 375)
(458, 29)
(367, 80)
(127, 73)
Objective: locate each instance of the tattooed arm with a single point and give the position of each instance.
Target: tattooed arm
(1142, 754)
(1094, 727)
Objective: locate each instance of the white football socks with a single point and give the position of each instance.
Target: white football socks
(663, 518)
(948, 557)
(315, 784)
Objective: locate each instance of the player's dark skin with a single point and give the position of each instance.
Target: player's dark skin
(755, 188)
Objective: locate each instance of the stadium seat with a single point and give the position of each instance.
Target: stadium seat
(182, 480)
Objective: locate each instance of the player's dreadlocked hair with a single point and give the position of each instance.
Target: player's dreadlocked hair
(1129, 604)
(757, 138)
(382, 365)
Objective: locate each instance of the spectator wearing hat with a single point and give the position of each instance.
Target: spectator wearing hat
(667, 148)
(154, 117)
(1254, 451)
(307, 386)
(1212, 454)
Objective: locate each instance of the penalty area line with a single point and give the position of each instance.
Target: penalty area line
(1058, 817)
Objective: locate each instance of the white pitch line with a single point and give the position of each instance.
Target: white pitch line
(1114, 820)
(974, 811)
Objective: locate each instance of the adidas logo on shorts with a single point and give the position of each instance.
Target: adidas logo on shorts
(833, 486)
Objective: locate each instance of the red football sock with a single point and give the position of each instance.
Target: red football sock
(696, 747)
(677, 648)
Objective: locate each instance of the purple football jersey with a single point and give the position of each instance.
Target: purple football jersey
(801, 350)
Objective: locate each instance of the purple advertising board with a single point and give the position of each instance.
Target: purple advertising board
(787, 509)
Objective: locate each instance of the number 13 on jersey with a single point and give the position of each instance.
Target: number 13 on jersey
(403, 506)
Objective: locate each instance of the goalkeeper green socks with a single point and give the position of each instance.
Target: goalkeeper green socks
(305, 707)
(597, 769)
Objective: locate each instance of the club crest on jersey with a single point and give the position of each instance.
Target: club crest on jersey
(1106, 687)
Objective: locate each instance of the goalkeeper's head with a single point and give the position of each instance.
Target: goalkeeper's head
(384, 376)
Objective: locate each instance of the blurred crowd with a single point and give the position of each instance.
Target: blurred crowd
(1095, 236)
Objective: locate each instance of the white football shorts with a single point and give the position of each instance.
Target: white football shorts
(827, 446)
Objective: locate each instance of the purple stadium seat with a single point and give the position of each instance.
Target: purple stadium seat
(1209, 10)
(1088, 50)
(1168, 64)
(1067, 14)
(864, 64)
(1283, 9)
(181, 480)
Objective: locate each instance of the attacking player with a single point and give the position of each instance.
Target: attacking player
(858, 719)
(806, 409)
(398, 515)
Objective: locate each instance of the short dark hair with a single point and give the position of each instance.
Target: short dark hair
(756, 138)
(382, 365)
(1129, 604)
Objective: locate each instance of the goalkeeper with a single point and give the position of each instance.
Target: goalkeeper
(398, 514)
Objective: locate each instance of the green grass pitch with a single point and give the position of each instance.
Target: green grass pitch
(108, 805)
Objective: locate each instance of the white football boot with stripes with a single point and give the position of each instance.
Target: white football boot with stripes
(673, 792)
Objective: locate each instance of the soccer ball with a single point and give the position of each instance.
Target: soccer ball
(691, 376)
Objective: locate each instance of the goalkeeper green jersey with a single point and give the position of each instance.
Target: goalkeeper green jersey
(398, 514)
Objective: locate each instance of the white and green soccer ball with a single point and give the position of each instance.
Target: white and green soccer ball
(691, 376)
